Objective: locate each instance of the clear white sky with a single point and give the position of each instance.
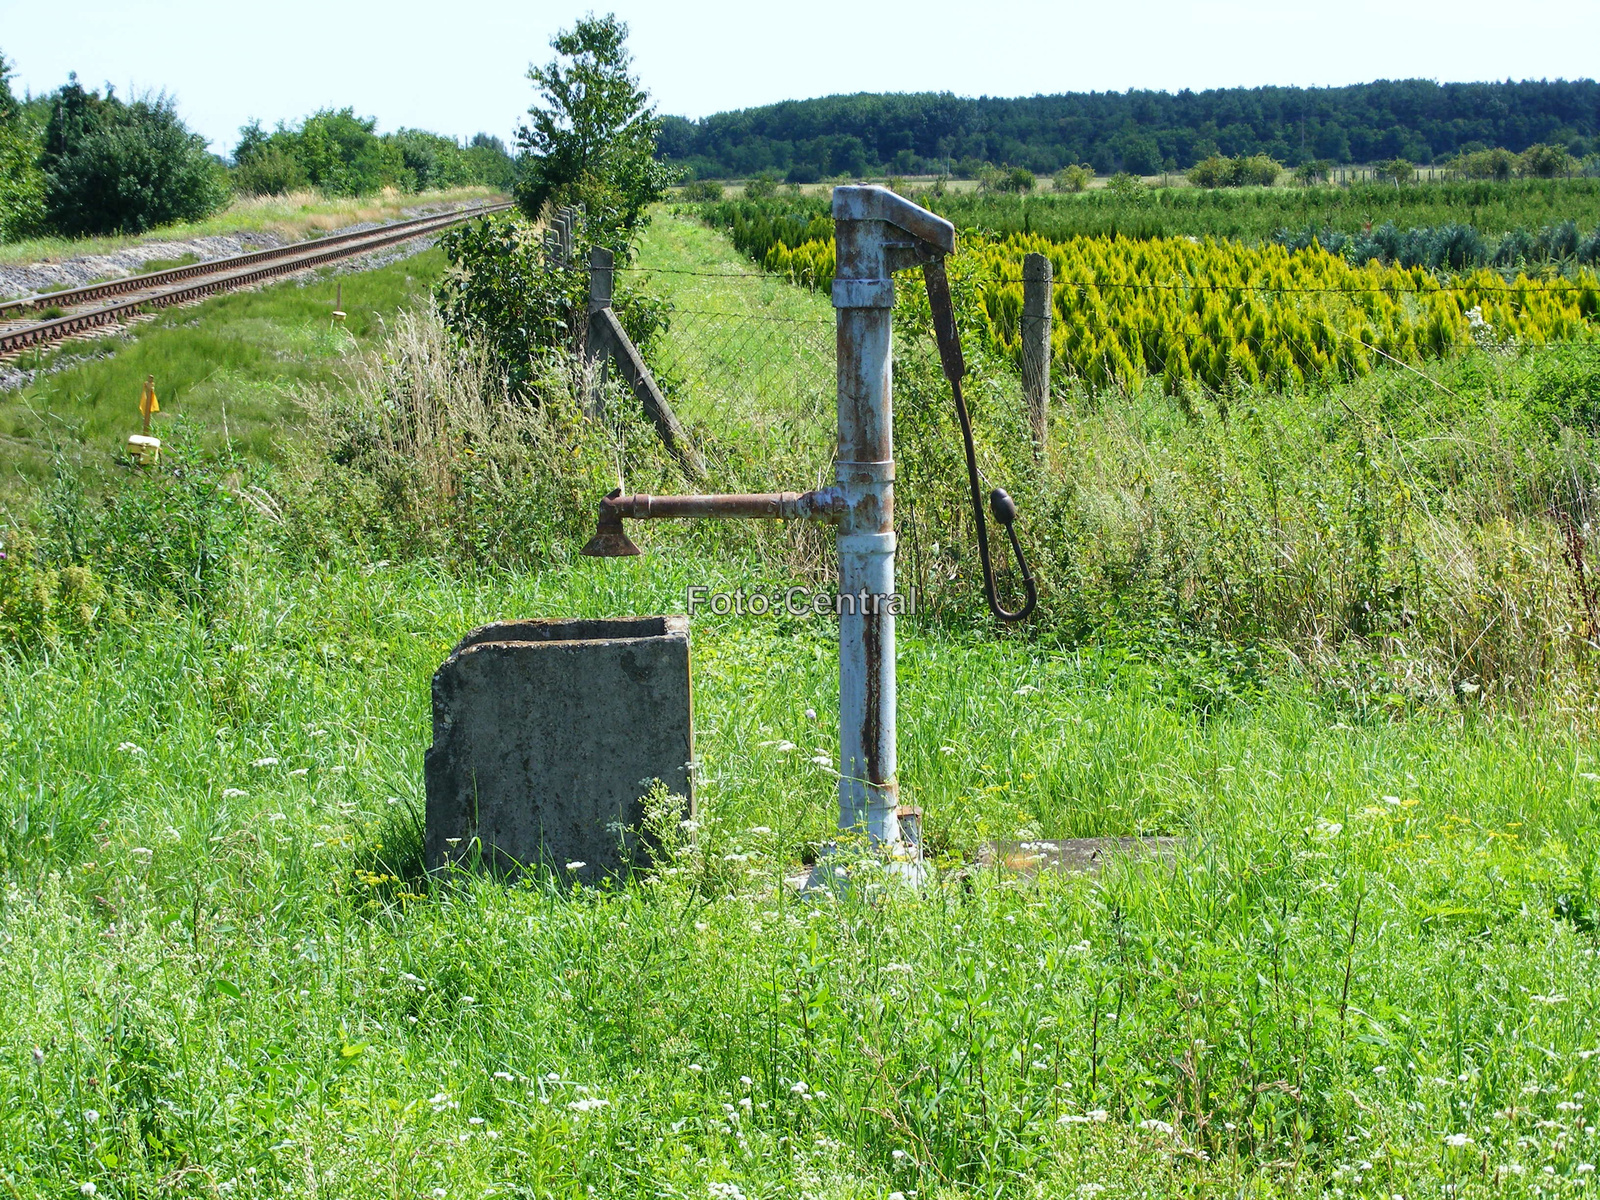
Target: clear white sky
(458, 67)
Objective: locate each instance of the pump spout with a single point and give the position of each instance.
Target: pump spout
(610, 541)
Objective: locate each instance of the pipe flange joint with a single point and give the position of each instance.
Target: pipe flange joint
(863, 293)
(882, 471)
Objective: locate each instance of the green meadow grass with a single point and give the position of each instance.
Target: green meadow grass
(1373, 938)
(227, 363)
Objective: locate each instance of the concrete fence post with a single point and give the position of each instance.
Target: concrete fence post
(1036, 313)
(596, 348)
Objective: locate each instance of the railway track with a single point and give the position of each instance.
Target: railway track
(137, 294)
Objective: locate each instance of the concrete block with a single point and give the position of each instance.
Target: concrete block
(546, 734)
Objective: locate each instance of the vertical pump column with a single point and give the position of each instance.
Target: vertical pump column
(875, 233)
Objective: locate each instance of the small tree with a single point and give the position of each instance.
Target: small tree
(1485, 164)
(592, 140)
(1260, 170)
(1074, 178)
(1400, 170)
(1211, 172)
(1313, 171)
(763, 187)
(1540, 161)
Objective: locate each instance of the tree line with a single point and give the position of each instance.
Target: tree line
(1142, 132)
(75, 161)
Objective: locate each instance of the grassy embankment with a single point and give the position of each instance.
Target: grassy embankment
(226, 364)
(1371, 966)
(291, 217)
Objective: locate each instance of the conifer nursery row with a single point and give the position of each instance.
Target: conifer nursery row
(1219, 312)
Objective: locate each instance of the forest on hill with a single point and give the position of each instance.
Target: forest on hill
(1139, 131)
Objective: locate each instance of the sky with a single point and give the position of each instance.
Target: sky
(460, 68)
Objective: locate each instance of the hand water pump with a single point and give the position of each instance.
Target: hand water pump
(876, 233)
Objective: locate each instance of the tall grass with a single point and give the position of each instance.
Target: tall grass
(1372, 938)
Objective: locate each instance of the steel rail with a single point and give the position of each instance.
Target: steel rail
(70, 297)
(220, 279)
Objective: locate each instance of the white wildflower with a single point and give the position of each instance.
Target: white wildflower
(87, 1189)
(90, 1116)
(589, 1104)
(299, 772)
(576, 865)
(264, 762)
(811, 714)
(1457, 1140)
(233, 793)
(126, 748)
(1155, 1126)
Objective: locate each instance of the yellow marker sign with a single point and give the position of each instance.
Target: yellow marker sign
(147, 401)
(143, 447)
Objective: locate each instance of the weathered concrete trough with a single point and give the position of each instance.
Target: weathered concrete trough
(546, 736)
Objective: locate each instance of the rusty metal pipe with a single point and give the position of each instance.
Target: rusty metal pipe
(824, 504)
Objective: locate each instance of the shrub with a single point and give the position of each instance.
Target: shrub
(1313, 171)
(1540, 161)
(1259, 170)
(1396, 170)
(1074, 178)
(1128, 186)
(1219, 171)
(1212, 172)
(22, 210)
(21, 181)
(274, 171)
(762, 187)
(702, 190)
(1485, 164)
(111, 167)
(503, 294)
(1015, 179)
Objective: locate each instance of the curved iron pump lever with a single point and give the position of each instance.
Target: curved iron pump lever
(1001, 504)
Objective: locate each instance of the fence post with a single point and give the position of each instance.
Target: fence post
(1036, 312)
(569, 221)
(596, 346)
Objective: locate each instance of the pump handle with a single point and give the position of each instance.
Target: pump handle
(1004, 508)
